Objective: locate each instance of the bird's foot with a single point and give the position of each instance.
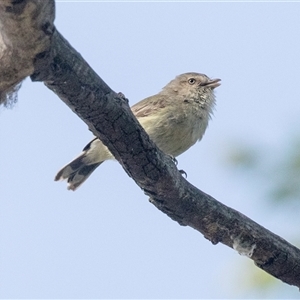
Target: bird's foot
(174, 160)
(182, 172)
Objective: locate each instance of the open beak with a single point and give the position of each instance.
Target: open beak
(213, 83)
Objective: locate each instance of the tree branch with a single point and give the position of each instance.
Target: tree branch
(109, 117)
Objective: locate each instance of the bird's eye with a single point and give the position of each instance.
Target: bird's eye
(191, 81)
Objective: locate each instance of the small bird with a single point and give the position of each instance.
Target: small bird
(175, 119)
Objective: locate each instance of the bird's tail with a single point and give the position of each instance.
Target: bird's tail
(80, 168)
(76, 172)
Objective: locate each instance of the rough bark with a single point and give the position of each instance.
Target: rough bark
(109, 117)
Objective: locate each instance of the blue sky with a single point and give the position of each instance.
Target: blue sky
(106, 240)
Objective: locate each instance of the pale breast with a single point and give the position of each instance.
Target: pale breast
(175, 132)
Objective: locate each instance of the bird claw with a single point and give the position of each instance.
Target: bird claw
(182, 172)
(174, 160)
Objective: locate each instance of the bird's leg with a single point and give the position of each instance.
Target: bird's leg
(182, 172)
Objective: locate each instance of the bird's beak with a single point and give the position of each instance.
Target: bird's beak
(213, 83)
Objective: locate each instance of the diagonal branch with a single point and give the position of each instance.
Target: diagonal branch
(109, 117)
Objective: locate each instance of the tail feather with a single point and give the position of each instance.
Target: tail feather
(80, 168)
(70, 168)
(76, 172)
(81, 175)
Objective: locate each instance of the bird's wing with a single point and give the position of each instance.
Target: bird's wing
(148, 106)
